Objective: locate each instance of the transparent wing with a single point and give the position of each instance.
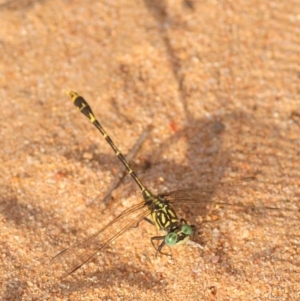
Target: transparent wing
(77, 255)
(228, 193)
(206, 193)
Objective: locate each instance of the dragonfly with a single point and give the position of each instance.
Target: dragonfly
(156, 209)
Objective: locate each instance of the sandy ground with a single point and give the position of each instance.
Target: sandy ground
(218, 81)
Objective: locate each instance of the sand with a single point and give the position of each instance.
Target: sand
(217, 81)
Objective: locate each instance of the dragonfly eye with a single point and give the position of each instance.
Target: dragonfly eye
(171, 239)
(187, 230)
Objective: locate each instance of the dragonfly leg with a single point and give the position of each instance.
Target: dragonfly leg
(161, 245)
(146, 219)
(149, 221)
(194, 231)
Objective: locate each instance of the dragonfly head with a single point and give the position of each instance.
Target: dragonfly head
(179, 236)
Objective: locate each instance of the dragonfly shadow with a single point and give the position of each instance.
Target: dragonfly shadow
(255, 143)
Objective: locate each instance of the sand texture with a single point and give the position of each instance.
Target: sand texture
(216, 84)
